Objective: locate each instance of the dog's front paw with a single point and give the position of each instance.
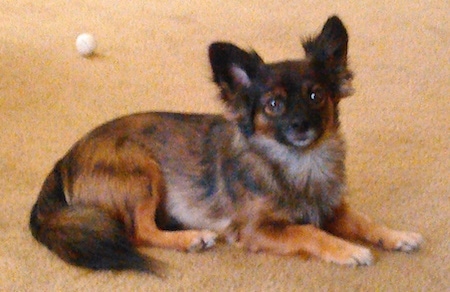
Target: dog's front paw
(350, 255)
(401, 241)
(358, 256)
(205, 239)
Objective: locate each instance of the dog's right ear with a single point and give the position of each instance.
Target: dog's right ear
(237, 72)
(233, 68)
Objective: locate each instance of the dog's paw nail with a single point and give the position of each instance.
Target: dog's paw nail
(205, 240)
(408, 241)
(352, 255)
(364, 257)
(209, 239)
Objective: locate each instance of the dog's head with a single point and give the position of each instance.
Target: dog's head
(294, 102)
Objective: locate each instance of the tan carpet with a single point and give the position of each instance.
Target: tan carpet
(152, 56)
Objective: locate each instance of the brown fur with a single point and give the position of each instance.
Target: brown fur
(269, 177)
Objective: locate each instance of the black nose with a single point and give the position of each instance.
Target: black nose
(300, 125)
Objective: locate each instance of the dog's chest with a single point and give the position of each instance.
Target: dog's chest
(311, 182)
(313, 170)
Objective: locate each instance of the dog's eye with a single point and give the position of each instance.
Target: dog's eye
(274, 107)
(316, 98)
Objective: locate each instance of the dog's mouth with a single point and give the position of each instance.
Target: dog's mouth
(301, 138)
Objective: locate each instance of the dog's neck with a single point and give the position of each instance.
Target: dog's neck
(314, 176)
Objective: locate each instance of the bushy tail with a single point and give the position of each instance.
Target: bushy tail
(84, 236)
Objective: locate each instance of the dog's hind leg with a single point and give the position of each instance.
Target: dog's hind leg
(148, 233)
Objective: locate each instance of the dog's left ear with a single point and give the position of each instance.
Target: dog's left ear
(328, 54)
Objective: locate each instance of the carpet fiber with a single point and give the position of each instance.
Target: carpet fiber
(152, 56)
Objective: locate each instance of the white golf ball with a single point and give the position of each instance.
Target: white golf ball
(86, 44)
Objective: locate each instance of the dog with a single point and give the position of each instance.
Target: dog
(268, 175)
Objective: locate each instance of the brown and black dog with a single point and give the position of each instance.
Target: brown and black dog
(269, 175)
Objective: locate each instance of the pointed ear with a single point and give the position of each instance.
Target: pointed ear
(233, 67)
(328, 53)
(330, 46)
(235, 71)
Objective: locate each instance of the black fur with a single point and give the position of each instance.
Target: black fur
(84, 236)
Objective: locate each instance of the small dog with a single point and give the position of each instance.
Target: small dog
(269, 175)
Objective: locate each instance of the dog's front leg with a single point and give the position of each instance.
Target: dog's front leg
(300, 239)
(351, 224)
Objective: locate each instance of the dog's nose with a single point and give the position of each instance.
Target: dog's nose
(300, 125)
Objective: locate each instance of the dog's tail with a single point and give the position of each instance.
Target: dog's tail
(84, 236)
